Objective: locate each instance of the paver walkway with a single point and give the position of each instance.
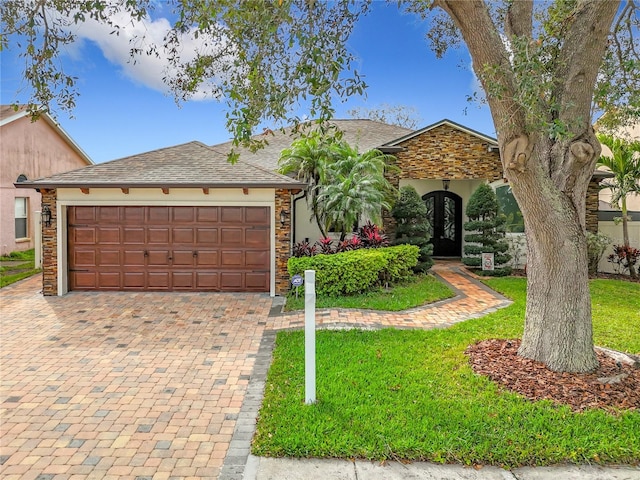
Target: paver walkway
(153, 385)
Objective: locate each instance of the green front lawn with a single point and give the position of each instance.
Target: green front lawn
(399, 394)
(17, 271)
(420, 290)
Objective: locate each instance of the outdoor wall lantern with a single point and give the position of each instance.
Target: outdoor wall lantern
(46, 215)
(445, 184)
(284, 214)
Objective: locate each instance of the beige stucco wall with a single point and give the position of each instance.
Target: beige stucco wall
(614, 232)
(35, 150)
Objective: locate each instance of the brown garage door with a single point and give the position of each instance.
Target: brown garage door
(169, 248)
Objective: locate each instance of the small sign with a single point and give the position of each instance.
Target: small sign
(297, 280)
(487, 261)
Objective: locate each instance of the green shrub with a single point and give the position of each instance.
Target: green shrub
(597, 243)
(486, 227)
(412, 226)
(357, 271)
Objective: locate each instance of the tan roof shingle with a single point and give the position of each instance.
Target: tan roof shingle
(191, 164)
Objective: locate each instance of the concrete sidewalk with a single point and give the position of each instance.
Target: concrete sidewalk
(313, 469)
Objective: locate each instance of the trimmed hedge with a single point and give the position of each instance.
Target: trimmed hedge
(357, 271)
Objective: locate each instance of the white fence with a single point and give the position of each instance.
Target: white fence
(518, 243)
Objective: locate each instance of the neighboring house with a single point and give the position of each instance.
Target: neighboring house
(183, 218)
(608, 213)
(29, 150)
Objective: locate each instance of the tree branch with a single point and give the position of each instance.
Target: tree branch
(518, 20)
(576, 70)
(487, 50)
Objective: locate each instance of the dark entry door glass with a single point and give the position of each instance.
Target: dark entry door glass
(444, 212)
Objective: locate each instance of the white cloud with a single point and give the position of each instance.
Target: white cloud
(147, 70)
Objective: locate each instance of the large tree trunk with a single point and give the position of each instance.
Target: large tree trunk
(549, 171)
(558, 330)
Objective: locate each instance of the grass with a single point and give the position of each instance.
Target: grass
(399, 394)
(13, 273)
(421, 290)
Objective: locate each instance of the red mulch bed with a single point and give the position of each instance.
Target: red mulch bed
(498, 360)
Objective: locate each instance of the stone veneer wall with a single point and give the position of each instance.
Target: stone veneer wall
(443, 152)
(50, 246)
(283, 241)
(592, 205)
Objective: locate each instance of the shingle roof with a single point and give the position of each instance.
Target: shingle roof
(363, 134)
(188, 165)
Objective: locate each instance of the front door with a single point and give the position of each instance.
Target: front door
(444, 212)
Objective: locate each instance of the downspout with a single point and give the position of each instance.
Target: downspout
(293, 215)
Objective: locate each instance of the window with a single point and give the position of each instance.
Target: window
(509, 206)
(21, 217)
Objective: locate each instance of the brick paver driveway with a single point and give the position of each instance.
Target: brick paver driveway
(153, 385)
(112, 385)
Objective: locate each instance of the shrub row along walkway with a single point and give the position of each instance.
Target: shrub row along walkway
(155, 385)
(472, 300)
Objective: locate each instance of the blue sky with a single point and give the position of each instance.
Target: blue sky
(121, 111)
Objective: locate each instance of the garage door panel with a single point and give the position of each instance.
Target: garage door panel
(84, 235)
(158, 235)
(207, 215)
(83, 280)
(183, 235)
(158, 257)
(257, 259)
(231, 258)
(207, 280)
(233, 215)
(133, 235)
(133, 257)
(231, 281)
(133, 280)
(207, 259)
(84, 258)
(206, 237)
(257, 281)
(165, 248)
(109, 258)
(183, 215)
(110, 215)
(257, 237)
(183, 258)
(132, 215)
(84, 215)
(109, 235)
(257, 215)
(109, 280)
(182, 280)
(158, 215)
(231, 236)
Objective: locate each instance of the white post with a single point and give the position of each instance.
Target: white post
(309, 336)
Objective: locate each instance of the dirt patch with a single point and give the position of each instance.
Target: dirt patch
(613, 386)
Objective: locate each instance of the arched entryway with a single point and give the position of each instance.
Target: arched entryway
(444, 212)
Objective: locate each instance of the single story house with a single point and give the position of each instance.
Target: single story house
(182, 218)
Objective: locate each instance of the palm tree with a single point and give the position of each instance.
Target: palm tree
(307, 158)
(625, 167)
(355, 187)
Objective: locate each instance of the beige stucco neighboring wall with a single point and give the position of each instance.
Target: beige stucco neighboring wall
(34, 149)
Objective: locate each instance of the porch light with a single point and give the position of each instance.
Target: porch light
(284, 214)
(445, 184)
(46, 215)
